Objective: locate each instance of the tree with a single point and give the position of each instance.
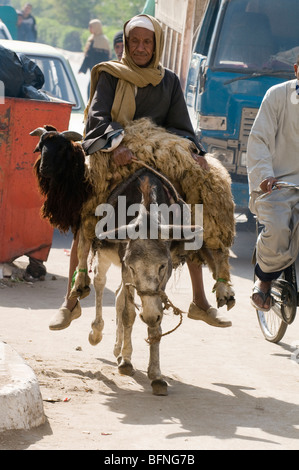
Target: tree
(115, 12)
(56, 18)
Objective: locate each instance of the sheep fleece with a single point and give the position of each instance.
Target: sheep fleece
(170, 155)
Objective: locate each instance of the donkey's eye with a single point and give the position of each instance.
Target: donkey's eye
(162, 267)
(132, 270)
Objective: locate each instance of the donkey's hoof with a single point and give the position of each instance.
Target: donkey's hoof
(125, 368)
(231, 303)
(79, 292)
(96, 332)
(85, 292)
(159, 387)
(95, 337)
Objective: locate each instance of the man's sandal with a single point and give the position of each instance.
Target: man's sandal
(64, 317)
(264, 296)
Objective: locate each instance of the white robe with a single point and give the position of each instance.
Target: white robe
(273, 144)
(273, 150)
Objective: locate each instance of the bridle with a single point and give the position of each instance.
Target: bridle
(166, 305)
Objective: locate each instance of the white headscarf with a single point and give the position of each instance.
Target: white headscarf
(139, 22)
(130, 75)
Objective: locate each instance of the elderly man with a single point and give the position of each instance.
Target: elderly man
(137, 87)
(272, 155)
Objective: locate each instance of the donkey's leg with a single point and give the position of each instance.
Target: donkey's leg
(101, 268)
(159, 386)
(126, 315)
(120, 306)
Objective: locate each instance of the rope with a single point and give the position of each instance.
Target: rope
(167, 304)
(161, 176)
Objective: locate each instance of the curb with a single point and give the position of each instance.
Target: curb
(21, 405)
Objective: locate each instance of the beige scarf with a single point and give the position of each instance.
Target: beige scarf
(98, 39)
(130, 76)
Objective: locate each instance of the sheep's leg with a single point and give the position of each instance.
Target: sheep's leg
(101, 268)
(126, 316)
(80, 285)
(159, 386)
(225, 294)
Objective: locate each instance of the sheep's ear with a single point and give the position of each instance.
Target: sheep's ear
(39, 131)
(50, 128)
(71, 135)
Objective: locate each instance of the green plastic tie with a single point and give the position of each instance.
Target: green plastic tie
(75, 274)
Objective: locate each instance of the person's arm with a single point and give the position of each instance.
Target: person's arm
(261, 144)
(84, 65)
(34, 29)
(101, 131)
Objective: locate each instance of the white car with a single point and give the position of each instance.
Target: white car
(60, 81)
(4, 31)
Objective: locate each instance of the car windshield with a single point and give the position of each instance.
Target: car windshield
(258, 35)
(57, 82)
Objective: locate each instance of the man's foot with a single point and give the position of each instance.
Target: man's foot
(261, 295)
(35, 270)
(64, 317)
(210, 316)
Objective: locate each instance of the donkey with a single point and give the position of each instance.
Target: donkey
(146, 265)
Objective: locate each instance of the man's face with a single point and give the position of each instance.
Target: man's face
(296, 68)
(118, 48)
(141, 44)
(27, 10)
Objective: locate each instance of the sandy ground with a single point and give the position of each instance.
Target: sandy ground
(228, 389)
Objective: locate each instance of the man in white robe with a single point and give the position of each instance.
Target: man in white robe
(272, 156)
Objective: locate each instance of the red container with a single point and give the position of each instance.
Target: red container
(22, 230)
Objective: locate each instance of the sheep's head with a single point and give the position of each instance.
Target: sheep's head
(61, 179)
(55, 149)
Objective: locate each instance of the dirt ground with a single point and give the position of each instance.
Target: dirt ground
(228, 388)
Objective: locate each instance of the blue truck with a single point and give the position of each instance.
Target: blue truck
(243, 47)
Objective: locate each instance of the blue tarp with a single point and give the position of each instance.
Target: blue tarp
(9, 17)
(149, 8)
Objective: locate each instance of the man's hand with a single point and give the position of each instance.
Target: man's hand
(267, 184)
(201, 161)
(122, 156)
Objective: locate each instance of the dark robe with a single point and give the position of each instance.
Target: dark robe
(92, 57)
(164, 104)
